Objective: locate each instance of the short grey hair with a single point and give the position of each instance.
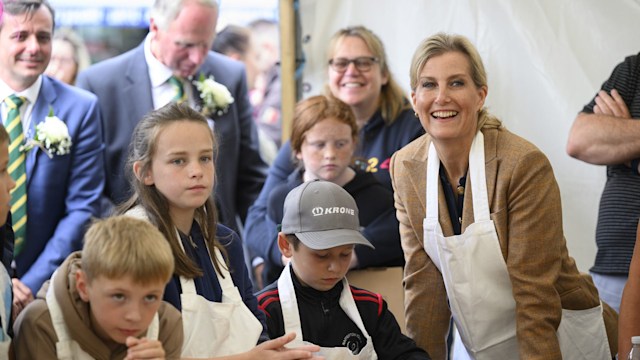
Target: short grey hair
(164, 12)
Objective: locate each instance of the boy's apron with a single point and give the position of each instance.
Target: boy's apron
(291, 317)
(66, 347)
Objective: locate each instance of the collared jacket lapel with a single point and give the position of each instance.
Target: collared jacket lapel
(45, 101)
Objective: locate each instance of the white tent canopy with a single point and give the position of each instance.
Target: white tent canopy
(545, 58)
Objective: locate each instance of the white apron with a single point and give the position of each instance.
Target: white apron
(291, 317)
(213, 329)
(477, 281)
(66, 347)
(5, 310)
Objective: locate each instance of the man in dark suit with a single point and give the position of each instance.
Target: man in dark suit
(62, 189)
(140, 80)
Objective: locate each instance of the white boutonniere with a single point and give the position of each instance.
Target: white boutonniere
(52, 136)
(216, 98)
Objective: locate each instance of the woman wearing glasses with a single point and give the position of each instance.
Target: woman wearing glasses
(359, 75)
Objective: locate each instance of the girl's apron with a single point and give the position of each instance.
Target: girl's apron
(214, 329)
(477, 281)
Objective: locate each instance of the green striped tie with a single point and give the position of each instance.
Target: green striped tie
(17, 170)
(180, 95)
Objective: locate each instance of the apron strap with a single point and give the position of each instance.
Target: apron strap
(291, 313)
(433, 169)
(63, 346)
(478, 179)
(289, 305)
(348, 304)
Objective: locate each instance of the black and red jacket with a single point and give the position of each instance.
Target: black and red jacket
(324, 323)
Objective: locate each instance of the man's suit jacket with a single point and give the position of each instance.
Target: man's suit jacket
(123, 88)
(525, 207)
(63, 192)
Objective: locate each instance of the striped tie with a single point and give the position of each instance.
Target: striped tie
(17, 170)
(180, 95)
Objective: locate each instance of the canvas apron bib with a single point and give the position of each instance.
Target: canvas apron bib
(66, 347)
(217, 328)
(291, 317)
(5, 310)
(477, 281)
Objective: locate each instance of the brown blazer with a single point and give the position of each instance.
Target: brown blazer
(526, 210)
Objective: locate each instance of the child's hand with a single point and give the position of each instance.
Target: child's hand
(275, 350)
(144, 349)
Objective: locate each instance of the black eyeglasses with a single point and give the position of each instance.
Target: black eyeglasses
(362, 63)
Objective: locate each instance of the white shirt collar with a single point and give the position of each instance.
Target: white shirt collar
(158, 72)
(30, 93)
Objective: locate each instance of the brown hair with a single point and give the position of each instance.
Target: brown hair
(28, 7)
(142, 149)
(392, 98)
(310, 111)
(124, 246)
(293, 240)
(441, 43)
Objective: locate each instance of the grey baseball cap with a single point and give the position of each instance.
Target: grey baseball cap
(322, 215)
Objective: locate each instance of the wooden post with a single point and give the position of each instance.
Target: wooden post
(287, 64)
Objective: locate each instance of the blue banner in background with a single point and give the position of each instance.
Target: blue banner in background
(102, 16)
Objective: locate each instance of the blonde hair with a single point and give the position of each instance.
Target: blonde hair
(392, 98)
(142, 150)
(124, 246)
(442, 43)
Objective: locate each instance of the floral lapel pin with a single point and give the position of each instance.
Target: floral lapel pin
(216, 98)
(52, 136)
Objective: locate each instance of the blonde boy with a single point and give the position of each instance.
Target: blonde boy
(106, 301)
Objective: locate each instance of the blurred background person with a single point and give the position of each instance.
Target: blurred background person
(267, 101)
(69, 56)
(237, 43)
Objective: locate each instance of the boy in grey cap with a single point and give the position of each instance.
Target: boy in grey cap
(312, 298)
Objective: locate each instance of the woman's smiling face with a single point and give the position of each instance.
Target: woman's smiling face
(446, 99)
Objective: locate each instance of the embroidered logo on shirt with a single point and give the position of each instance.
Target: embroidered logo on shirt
(354, 342)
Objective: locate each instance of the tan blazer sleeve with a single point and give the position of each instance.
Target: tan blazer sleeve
(426, 310)
(528, 219)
